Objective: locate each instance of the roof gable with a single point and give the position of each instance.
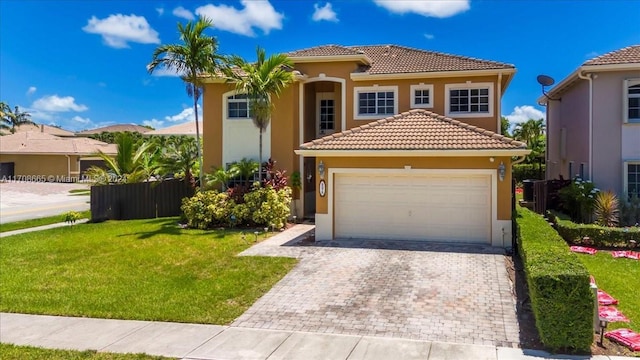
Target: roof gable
(35, 142)
(415, 130)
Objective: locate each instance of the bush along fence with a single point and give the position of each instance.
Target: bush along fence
(561, 298)
(523, 172)
(145, 200)
(595, 235)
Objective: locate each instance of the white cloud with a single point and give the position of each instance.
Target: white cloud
(55, 103)
(154, 123)
(183, 13)
(81, 119)
(160, 11)
(118, 30)
(40, 116)
(31, 90)
(162, 72)
(523, 113)
(429, 8)
(258, 14)
(429, 36)
(185, 115)
(325, 13)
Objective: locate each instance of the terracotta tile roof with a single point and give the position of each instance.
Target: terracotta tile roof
(415, 130)
(34, 142)
(115, 128)
(628, 55)
(187, 128)
(42, 128)
(393, 59)
(325, 50)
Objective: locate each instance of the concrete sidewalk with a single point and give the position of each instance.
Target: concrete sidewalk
(39, 228)
(197, 341)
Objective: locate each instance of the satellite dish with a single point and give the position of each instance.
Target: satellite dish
(545, 80)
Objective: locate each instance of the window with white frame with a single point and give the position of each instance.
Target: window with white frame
(421, 96)
(375, 102)
(238, 107)
(469, 100)
(632, 178)
(632, 100)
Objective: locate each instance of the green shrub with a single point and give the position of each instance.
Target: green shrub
(269, 207)
(528, 171)
(263, 207)
(71, 217)
(561, 298)
(578, 199)
(598, 236)
(208, 209)
(630, 211)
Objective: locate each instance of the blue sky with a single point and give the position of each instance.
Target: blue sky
(81, 64)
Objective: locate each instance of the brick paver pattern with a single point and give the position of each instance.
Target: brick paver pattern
(437, 295)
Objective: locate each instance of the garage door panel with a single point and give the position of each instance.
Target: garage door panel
(439, 207)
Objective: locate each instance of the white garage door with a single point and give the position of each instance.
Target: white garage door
(436, 207)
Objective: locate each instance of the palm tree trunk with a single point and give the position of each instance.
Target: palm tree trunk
(260, 158)
(195, 109)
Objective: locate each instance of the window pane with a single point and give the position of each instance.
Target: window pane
(634, 113)
(484, 108)
(484, 91)
(474, 92)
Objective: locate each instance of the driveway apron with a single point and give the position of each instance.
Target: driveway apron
(437, 293)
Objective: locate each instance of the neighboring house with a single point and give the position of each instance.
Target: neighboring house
(115, 128)
(593, 123)
(439, 172)
(187, 128)
(37, 156)
(52, 130)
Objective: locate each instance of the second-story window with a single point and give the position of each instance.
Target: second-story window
(469, 100)
(633, 102)
(238, 107)
(421, 96)
(375, 102)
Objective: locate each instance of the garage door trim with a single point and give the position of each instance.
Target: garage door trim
(329, 220)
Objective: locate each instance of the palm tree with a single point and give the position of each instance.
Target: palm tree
(180, 156)
(194, 58)
(261, 81)
(131, 164)
(221, 177)
(532, 132)
(4, 125)
(245, 168)
(15, 118)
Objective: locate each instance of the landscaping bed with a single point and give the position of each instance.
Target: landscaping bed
(138, 269)
(595, 235)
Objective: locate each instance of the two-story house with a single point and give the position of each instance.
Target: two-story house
(593, 123)
(390, 142)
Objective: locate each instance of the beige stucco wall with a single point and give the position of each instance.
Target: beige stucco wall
(43, 166)
(503, 187)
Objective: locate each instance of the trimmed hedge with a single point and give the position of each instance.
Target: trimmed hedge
(599, 236)
(561, 298)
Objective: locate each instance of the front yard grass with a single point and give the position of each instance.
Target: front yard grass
(137, 269)
(621, 279)
(18, 225)
(12, 352)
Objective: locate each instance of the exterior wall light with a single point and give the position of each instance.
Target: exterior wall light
(501, 171)
(321, 169)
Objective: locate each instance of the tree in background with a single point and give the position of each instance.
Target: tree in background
(133, 163)
(261, 81)
(14, 118)
(192, 60)
(178, 158)
(532, 132)
(504, 126)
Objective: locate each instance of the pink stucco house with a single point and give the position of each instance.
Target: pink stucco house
(593, 123)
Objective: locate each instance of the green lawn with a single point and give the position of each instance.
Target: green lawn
(137, 269)
(39, 222)
(12, 352)
(621, 279)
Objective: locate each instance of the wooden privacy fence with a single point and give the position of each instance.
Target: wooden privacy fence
(546, 194)
(145, 200)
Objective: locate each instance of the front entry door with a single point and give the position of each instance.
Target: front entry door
(325, 114)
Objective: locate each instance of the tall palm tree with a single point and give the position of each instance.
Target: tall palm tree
(194, 58)
(12, 119)
(261, 81)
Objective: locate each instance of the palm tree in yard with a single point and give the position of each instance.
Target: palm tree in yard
(180, 156)
(261, 81)
(12, 119)
(132, 163)
(194, 58)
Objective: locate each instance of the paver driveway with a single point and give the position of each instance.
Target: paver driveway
(438, 294)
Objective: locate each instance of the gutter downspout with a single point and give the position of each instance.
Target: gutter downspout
(521, 159)
(590, 78)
